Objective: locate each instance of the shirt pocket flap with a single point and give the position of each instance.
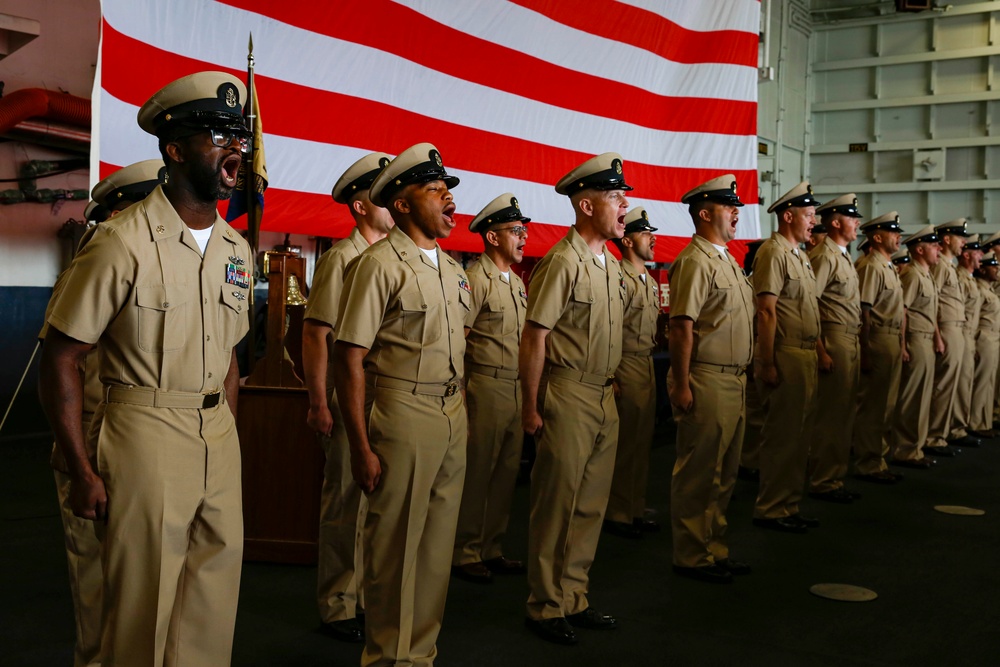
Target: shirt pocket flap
(233, 298)
(412, 302)
(161, 297)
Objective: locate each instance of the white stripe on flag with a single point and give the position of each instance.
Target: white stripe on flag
(705, 15)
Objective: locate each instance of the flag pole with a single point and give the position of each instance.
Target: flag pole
(252, 220)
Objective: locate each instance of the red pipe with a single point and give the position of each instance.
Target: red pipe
(37, 102)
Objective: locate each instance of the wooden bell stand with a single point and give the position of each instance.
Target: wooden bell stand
(282, 459)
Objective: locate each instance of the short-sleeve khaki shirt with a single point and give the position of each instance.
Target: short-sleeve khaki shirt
(581, 301)
(328, 278)
(496, 316)
(973, 300)
(713, 291)
(881, 290)
(642, 306)
(408, 314)
(784, 270)
(951, 297)
(989, 314)
(920, 297)
(836, 285)
(162, 315)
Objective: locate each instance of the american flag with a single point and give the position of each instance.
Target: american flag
(514, 93)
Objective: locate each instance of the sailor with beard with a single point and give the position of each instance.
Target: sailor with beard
(711, 342)
(570, 349)
(493, 336)
(398, 365)
(163, 287)
(635, 383)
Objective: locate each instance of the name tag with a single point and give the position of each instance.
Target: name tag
(237, 276)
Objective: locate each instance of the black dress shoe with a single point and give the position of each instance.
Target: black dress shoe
(713, 574)
(646, 525)
(835, 496)
(916, 464)
(347, 630)
(880, 477)
(806, 521)
(555, 630)
(785, 525)
(591, 619)
(477, 573)
(501, 565)
(965, 441)
(739, 568)
(988, 434)
(749, 474)
(626, 530)
(947, 452)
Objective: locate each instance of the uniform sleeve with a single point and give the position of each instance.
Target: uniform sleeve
(690, 285)
(56, 291)
(328, 285)
(911, 286)
(98, 286)
(552, 285)
(768, 272)
(363, 303)
(823, 269)
(480, 284)
(870, 283)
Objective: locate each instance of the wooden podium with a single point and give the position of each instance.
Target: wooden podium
(282, 459)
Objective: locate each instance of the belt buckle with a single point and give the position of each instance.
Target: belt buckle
(211, 400)
(451, 390)
(609, 381)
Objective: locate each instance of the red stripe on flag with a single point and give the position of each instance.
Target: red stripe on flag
(388, 128)
(396, 29)
(650, 31)
(328, 219)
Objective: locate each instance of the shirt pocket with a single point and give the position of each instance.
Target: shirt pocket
(162, 317)
(420, 323)
(724, 289)
(580, 307)
(230, 311)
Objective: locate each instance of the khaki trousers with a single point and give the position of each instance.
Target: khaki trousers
(83, 555)
(409, 529)
(493, 460)
(636, 419)
(916, 384)
(962, 413)
(750, 454)
(988, 348)
(947, 370)
(836, 396)
(784, 440)
(709, 439)
(879, 389)
(341, 514)
(173, 547)
(570, 484)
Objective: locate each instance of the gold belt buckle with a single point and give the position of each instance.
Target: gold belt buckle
(451, 390)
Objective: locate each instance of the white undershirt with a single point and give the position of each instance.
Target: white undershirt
(721, 248)
(505, 275)
(601, 259)
(432, 255)
(642, 276)
(201, 237)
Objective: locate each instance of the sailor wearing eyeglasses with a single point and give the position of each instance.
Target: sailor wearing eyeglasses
(163, 287)
(493, 328)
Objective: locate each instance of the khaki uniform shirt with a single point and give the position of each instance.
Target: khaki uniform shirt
(162, 315)
(406, 312)
(973, 300)
(951, 297)
(784, 270)
(836, 285)
(989, 314)
(642, 306)
(712, 290)
(496, 316)
(920, 298)
(882, 291)
(328, 285)
(581, 302)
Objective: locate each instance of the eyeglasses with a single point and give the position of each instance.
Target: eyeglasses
(223, 138)
(516, 230)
